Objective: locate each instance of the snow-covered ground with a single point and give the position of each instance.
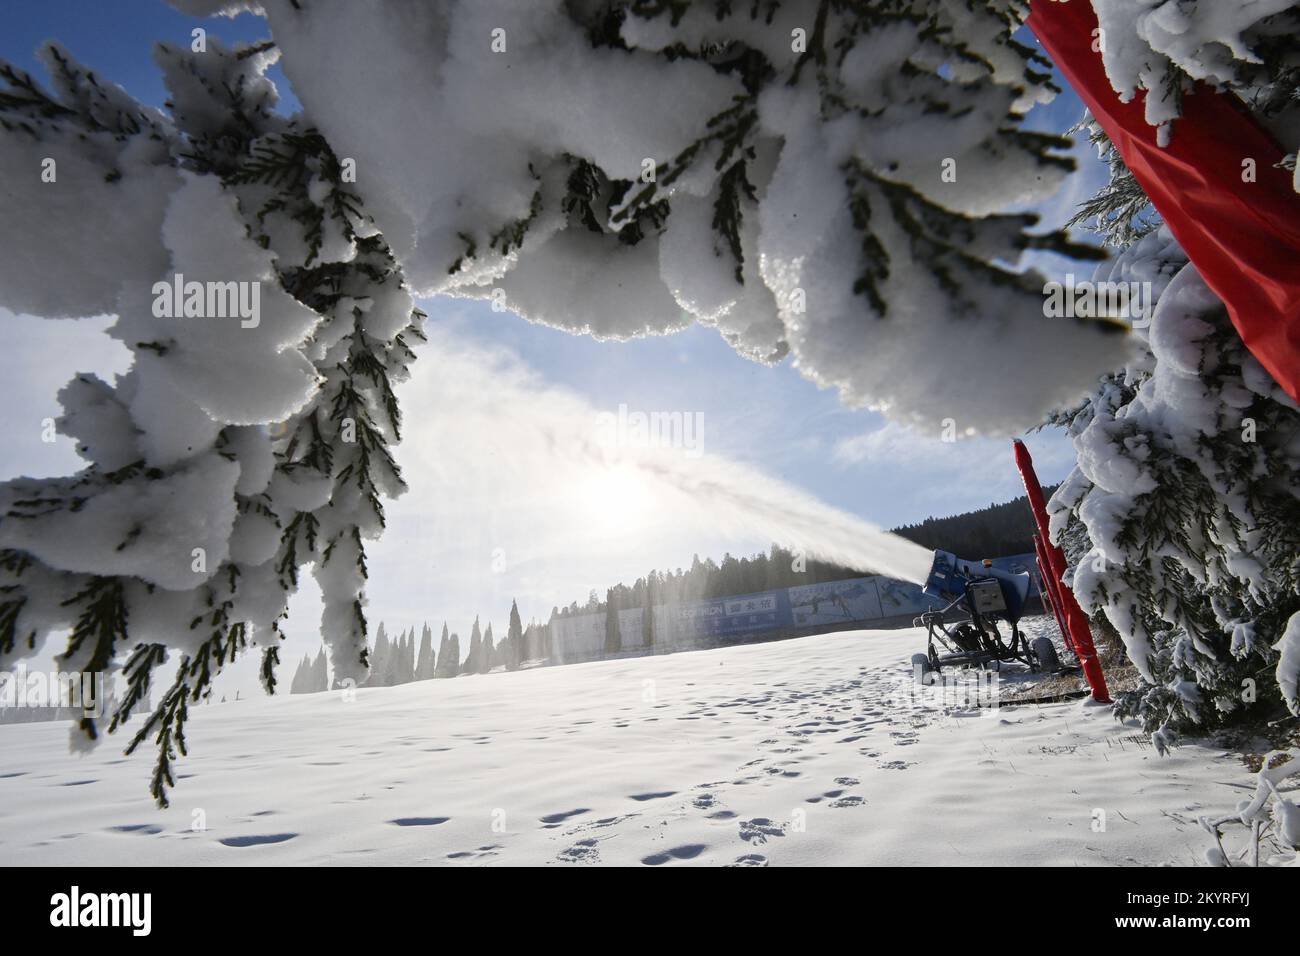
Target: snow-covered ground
(808, 751)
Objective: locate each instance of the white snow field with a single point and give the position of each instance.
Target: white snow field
(807, 751)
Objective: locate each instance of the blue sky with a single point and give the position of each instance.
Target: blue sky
(771, 418)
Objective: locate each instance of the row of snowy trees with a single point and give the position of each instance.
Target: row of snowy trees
(311, 675)
(396, 660)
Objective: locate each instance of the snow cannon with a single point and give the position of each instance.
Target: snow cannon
(966, 632)
(994, 590)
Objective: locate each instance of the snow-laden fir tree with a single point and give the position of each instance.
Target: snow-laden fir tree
(1182, 519)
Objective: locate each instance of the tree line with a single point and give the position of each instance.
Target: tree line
(400, 660)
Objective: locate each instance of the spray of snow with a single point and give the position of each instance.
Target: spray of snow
(738, 500)
(568, 494)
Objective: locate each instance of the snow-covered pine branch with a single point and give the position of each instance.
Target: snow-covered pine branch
(236, 449)
(1164, 46)
(823, 179)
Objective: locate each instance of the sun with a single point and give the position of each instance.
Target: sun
(617, 499)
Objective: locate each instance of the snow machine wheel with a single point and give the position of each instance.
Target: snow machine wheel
(1045, 653)
(922, 668)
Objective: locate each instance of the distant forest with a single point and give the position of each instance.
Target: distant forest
(991, 532)
(995, 531)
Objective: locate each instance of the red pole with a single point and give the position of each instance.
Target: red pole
(1077, 621)
(1050, 593)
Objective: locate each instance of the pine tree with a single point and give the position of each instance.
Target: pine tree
(516, 650)
(613, 641)
(454, 666)
(474, 661)
(426, 665)
(299, 682)
(408, 658)
(320, 676)
(380, 659)
(393, 672)
(488, 652)
(447, 663)
(648, 614)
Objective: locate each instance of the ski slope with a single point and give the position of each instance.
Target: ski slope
(808, 751)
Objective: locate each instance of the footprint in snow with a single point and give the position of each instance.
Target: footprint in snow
(750, 859)
(850, 801)
(419, 821)
(257, 840)
(482, 853)
(584, 851)
(553, 820)
(147, 828)
(656, 795)
(759, 829)
(688, 852)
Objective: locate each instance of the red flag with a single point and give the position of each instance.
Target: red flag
(1243, 237)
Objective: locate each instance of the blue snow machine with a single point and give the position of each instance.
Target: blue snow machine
(965, 632)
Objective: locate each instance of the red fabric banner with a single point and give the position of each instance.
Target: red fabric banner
(1243, 237)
